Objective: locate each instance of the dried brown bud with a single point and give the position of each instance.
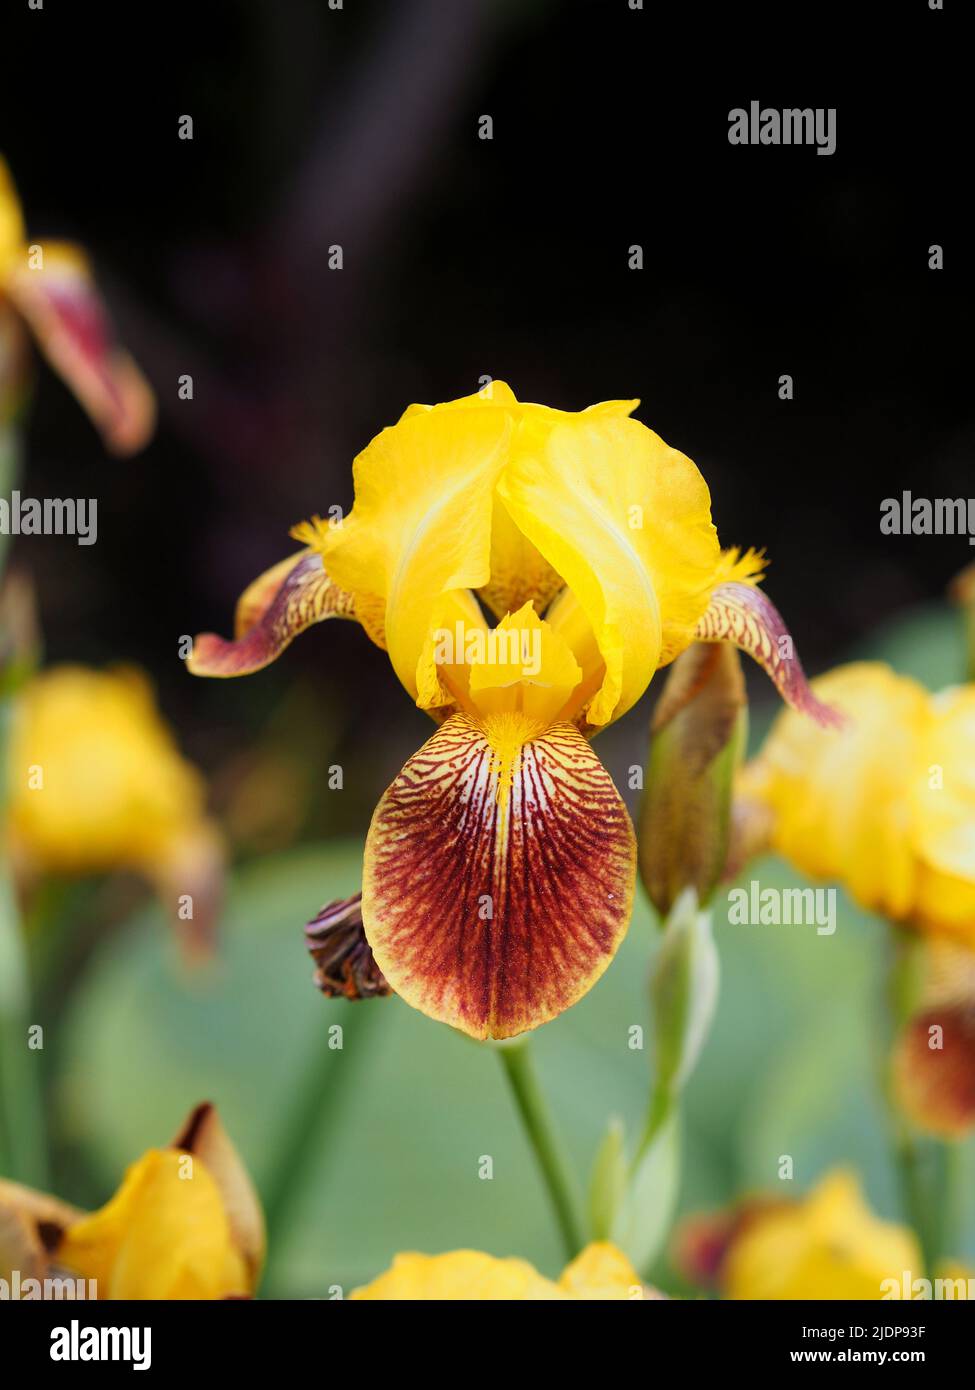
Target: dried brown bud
(345, 964)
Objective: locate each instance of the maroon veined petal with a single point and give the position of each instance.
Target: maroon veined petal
(288, 598)
(746, 617)
(60, 302)
(934, 1069)
(498, 877)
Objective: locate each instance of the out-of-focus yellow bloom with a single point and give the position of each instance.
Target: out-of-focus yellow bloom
(829, 1245)
(500, 865)
(185, 1224)
(886, 805)
(95, 782)
(600, 1272)
(48, 287)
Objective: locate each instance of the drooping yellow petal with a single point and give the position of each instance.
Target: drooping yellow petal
(499, 875)
(59, 300)
(626, 521)
(421, 524)
(165, 1234)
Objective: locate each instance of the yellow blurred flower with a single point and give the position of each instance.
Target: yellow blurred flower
(829, 1245)
(600, 1272)
(47, 287)
(95, 782)
(185, 1224)
(500, 865)
(885, 805)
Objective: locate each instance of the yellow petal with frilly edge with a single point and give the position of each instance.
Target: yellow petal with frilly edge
(599, 1272)
(421, 524)
(626, 521)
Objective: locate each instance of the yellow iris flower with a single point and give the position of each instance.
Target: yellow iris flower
(185, 1224)
(825, 1245)
(600, 1272)
(829, 1245)
(95, 783)
(47, 287)
(886, 805)
(500, 865)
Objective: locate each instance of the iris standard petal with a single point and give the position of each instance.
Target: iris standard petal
(499, 875)
(626, 521)
(518, 572)
(421, 524)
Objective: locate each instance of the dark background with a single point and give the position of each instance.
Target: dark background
(465, 257)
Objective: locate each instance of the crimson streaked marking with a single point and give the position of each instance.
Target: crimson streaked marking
(746, 617)
(558, 869)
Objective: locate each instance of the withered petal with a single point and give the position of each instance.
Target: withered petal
(336, 941)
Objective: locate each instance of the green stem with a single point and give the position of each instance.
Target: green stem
(661, 1107)
(927, 1169)
(23, 1150)
(947, 1180)
(519, 1068)
(11, 459)
(321, 1093)
(913, 1195)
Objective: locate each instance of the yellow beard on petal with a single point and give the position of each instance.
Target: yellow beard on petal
(507, 735)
